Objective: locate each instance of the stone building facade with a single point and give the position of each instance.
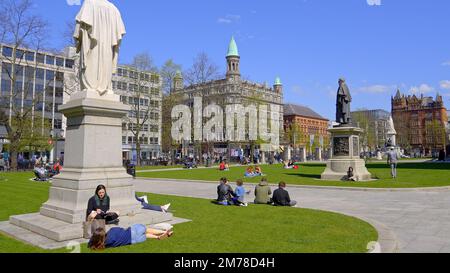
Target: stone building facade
(41, 85)
(148, 102)
(420, 123)
(227, 91)
(376, 124)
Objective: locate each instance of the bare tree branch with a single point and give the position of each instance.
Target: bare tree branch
(202, 70)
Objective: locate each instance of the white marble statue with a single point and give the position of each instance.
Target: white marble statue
(98, 34)
(391, 128)
(391, 133)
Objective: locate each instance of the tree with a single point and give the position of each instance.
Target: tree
(140, 102)
(168, 72)
(294, 135)
(435, 135)
(20, 29)
(203, 70)
(368, 136)
(403, 127)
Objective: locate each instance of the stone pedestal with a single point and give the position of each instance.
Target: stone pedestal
(287, 153)
(303, 154)
(345, 154)
(93, 156)
(319, 154)
(263, 157)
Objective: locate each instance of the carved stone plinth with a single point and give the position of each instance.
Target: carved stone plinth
(345, 154)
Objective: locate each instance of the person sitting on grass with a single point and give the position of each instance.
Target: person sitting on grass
(350, 175)
(281, 197)
(225, 193)
(263, 192)
(145, 205)
(289, 164)
(40, 172)
(258, 171)
(249, 172)
(223, 166)
(57, 168)
(239, 199)
(117, 237)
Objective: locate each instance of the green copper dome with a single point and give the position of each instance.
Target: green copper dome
(278, 81)
(178, 74)
(232, 49)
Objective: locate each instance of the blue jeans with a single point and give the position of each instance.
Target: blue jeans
(148, 206)
(394, 170)
(138, 234)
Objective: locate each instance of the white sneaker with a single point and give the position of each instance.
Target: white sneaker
(144, 198)
(166, 207)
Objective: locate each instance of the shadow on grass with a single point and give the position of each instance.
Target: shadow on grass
(313, 176)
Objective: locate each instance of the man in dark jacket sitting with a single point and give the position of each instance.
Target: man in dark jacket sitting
(225, 193)
(281, 196)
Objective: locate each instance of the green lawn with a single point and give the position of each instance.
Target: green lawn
(410, 175)
(214, 229)
(144, 168)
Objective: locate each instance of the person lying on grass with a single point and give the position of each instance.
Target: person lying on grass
(146, 205)
(117, 237)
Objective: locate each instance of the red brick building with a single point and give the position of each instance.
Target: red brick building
(420, 123)
(312, 128)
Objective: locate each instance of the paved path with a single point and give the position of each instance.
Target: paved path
(420, 220)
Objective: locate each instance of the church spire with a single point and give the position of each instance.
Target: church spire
(233, 59)
(398, 95)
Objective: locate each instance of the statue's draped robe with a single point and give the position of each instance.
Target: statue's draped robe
(343, 104)
(98, 33)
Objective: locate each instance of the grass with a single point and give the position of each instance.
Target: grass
(145, 168)
(410, 175)
(214, 229)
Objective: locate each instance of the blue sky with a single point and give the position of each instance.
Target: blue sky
(377, 45)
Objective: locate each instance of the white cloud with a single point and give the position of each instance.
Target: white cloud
(73, 2)
(376, 89)
(447, 63)
(374, 2)
(229, 19)
(422, 89)
(445, 85)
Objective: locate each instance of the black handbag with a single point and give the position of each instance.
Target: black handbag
(111, 218)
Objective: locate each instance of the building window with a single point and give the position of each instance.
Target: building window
(7, 51)
(124, 140)
(29, 56)
(50, 60)
(70, 63)
(60, 62)
(40, 58)
(154, 129)
(6, 87)
(58, 124)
